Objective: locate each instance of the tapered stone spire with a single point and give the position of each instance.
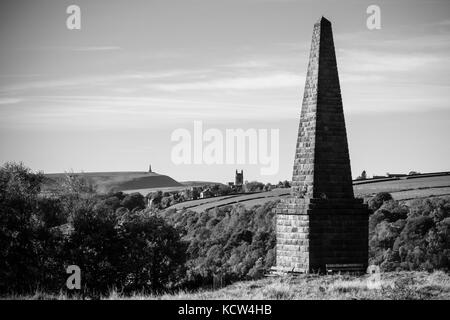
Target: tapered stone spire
(322, 164)
(321, 223)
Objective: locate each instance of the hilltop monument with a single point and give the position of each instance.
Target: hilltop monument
(321, 225)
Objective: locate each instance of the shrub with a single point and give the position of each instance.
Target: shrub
(153, 254)
(393, 210)
(376, 202)
(133, 201)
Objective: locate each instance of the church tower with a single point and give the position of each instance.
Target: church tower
(239, 178)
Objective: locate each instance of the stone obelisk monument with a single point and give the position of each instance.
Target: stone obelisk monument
(321, 224)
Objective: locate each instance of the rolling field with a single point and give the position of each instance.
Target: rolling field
(403, 185)
(248, 200)
(402, 189)
(145, 182)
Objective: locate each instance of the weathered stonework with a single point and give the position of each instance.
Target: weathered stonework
(321, 222)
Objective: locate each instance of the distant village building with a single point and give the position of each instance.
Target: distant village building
(195, 191)
(206, 194)
(239, 179)
(395, 175)
(186, 194)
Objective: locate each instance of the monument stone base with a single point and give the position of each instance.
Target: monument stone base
(313, 233)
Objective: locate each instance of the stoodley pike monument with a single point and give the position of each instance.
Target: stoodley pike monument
(322, 226)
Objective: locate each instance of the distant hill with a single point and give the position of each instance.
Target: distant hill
(120, 181)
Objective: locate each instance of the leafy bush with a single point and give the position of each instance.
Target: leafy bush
(133, 201)
(376, 202)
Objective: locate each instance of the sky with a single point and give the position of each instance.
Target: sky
(109, 96)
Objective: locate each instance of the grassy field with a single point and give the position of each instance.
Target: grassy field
(247, 200)
(393, 286)
(402, 185)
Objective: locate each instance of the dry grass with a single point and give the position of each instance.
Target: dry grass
(393, 286)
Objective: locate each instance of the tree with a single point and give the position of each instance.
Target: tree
(132, 201)
(156, 199)
(76, 183)
(154, 254)
(363, 176)
(376, 202)
(224, 190)
(254, 186)
(19, 227)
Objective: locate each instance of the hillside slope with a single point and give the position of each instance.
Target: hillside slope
(120, 181)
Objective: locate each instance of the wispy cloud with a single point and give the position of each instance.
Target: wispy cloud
(384, 62)
(94, 80)
(268, 81)
(95, 48)
(130, 112)
(72, 48)
(249, 64)
(10, 100)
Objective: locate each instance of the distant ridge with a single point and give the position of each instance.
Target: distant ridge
(153, 181)
(119, 181)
